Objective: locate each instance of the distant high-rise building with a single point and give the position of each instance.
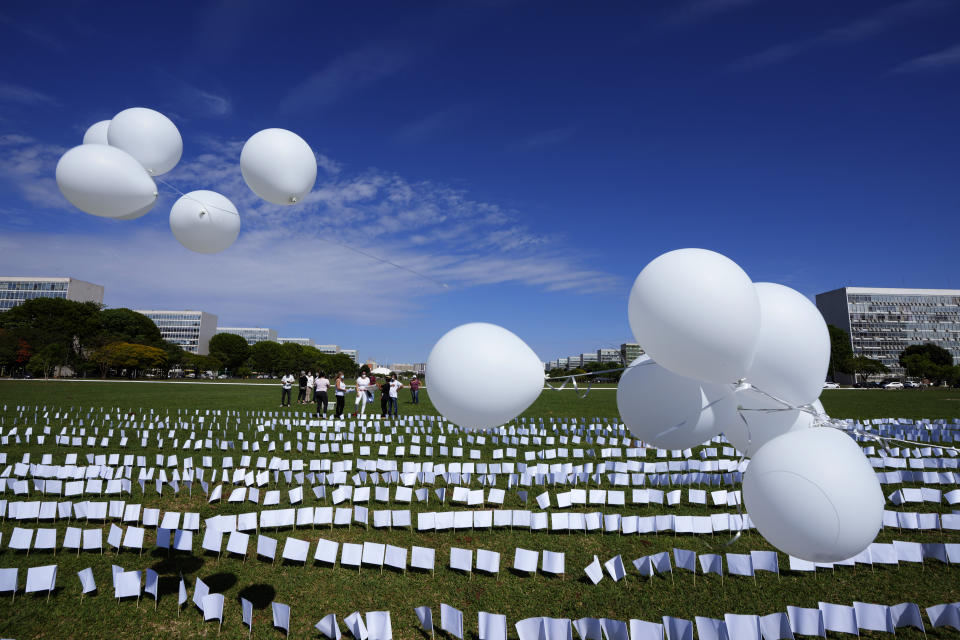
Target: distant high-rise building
(352, 353)
(587, 358)
(328, 348)
(401, 366)
(629, 352)
(16, 289)
(252, 335)
(420, 368)
(883, 322)
(305, 342)
(563, 363)
(191, 330)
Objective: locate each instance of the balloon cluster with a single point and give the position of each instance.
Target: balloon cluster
(725, 354)
(113, 175)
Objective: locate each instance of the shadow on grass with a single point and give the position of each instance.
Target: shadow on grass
(220, 582)
(260, 595)
(176, 564)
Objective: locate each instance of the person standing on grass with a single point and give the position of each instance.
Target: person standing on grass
(361, 400)
(311, 390)
(414, 390)
(340, 388)
(302, 393)
(320, 393)
(385, 397)
(287, 383)
(395, 386)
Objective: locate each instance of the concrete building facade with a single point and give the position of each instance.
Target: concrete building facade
(882, 322)
(252, 335)
(16, 289)
(191, 330)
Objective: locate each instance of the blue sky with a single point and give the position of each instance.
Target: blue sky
(531, 156)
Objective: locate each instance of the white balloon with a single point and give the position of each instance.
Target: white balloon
(465, 360)
(696, 313)
(819, 411)
(105, 181)
(670, 411)
(812, 494)
(278, 165)
(149, 136)
(139, 213)
(97, 133)
(793, 348)
(204, 221)
(761, 419)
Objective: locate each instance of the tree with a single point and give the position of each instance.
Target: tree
(201, 364)
(265, 357)
(43, 321)
(9, 344)
(841, 353)
(44, 361)
(867, 367)
(125, 325)
(230, 349)
(343, 362)
(131, 357)
(930, 351)
(175, 354)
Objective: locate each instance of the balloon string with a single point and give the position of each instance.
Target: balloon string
(572, 378)
(346, 246)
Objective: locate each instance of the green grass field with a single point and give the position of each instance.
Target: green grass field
(314, 591)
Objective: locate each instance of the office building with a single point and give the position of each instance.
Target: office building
(420, 368)
(609, 356)
(352, 353)
(328, 348)
(191, 330)
(401, 366)
(252, 335)
(305, 342)
(15, 289)
(630, 351)
(883, 322)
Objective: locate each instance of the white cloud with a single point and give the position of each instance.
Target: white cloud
(700, 10)
(944, 59)
(349, 73)
(547, 138)
(334, 255)
(26, 96)
(863, 28)
(28, 166)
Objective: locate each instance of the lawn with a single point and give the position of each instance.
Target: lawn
(314, 591)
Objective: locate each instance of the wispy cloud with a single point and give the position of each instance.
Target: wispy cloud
(345, 75)
(861, 29)
(350, 229)
(26, 96)
(701, 10)
(431, 125)
(548, 138)
(945, 59)
(28, 166)
(32, 32)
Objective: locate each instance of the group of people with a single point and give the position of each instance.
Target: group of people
(313, 389)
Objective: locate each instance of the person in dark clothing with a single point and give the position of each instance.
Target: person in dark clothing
(302, 394)
(384, 397)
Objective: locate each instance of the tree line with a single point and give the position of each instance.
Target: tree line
(46, 335)
(922, 361)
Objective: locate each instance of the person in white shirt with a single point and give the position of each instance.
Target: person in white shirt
(320, 394)
(361, 400)
(287, 383)
(311, 392)
(340, 388)
(395, 386)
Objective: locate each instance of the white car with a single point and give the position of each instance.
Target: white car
(830, 385)
(893, 385)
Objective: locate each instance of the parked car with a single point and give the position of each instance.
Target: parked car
(912, 384)
(830, 385)
(893, 385)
